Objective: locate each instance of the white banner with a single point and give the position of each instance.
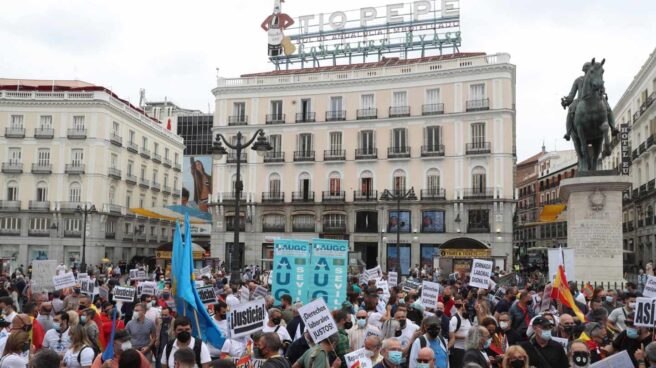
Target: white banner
(82, 276)
(480, 273)
(374, 273)
(64, 281)
(650, 287)
(247, 318)
(42, 272)
(430, 291)
(618, 360)
(645, 312)
(206, 271)
(260, 292)
(87, 287)
(137, 274)
(148, 288)
(124, 294)
(318, 320)
(358, 356)
(561, 256)
(393, 278)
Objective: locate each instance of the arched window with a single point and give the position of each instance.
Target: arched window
(367, 185)
(274, 184)
(304, 189)
(479, 181)
(12, 191)
(433, 181)
(75, 192)
(335, 183)
(41, 191)
(112, 195)
(399, 181)
(650, 215)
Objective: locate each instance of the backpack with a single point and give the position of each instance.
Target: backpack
(458, 322)
(424, 343)
(197, 346)
(79, 355)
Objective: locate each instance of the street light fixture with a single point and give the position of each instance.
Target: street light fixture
(261, 145)
(398, 196)
(85, 211)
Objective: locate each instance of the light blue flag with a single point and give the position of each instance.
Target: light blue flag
(177, 256)
(184, 295)
(291, 272)
(329, 271)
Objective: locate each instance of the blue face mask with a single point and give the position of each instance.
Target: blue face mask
(83, 319)
(546, 335)
(395, 357)
(488, 342)
(609, 299)
(56, 326)
(632, 333)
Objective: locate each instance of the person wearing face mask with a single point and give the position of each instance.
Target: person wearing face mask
(152, 309)
(432, 338)
(87, 321)
(392, 354)
(274, 325)
(515, 357)
(269, 344)
(106, 320)
(16, 352)
(58, 339)
(579, 355)
(458, 328)
(566, 327)
(122, 343)
(372, 345)
(478, 340)
(618, 315)
(610, 301)
(407, 327)
(631, 339)
(542, 351)
(361, 331)
(343, 321)
(163, 335)
(426, 359)
(521, 313)
(142, 330)
(322, 355)
(183, 339)
(444, 320)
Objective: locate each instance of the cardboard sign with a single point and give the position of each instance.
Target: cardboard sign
(385, 286)
(318, 320)
(650, 287)
(393, 278)
(148, 288)
(617, 360)
(64, 281)
(207, 295)
(82, 276)
(561, 256)
(87, 287)
(260, 292)
(42, 272)
(374, 273)
(124, 294)
(358, 356)
(205, 271)
(480, 273)
(410, 285)
(103, 292)
(137, 274)
(247, 318)
(430, 291)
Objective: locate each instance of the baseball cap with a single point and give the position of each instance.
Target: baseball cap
(543, 322)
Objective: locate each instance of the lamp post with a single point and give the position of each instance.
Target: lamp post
(261, 146)
(398, 196)
(85, 211)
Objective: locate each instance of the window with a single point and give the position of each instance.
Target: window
(155, 176)
(478, 180)
(335, 143)
(335, 183)
(116, 128)
(10, 223)
(304, 185)
(175, 183)
(143, 172)
(399, 139)
(41, 191)
(432, 222)
(16, 122)
(75, 192)
(367, 183)
(367, 142)
(77, 157)
(45, 122)
(477, 91)
(334, 221)
(303, 223)
(40, 223)
(131, 137)
(393, 258)
(78, 122)
(479, 221)
(72, 225)
(478, 134)
(144, 142)
(14, 155)
(113, 161)
(111, 197)
(366, 222)
(276, 109)
(336, 109)
(110, 227)
(155, 148)
(43, 157)
(432, 96)
(153, 231)
(153, 202)
(130, 169)
(166, 180)
(433, 181)
(399, 99)
(142, 201)
(367, 101)
(273, 223)
(239, 111)
(304, 143)
(276, 143)
(166, 153)
(306, 108)
(433, 138)
(399, 221)
(177, 158)
(399, 181)
(12, 191)
(128, 228)
(274, 184)
(128, 199)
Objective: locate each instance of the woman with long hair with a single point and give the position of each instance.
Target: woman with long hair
(202, 184)
(515, 357)
(81, 353)
(17, 349)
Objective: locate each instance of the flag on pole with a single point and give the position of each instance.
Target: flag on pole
(109, 350)
(177, 253)
(168, 124)
(562, 293)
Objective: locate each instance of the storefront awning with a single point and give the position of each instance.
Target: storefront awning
(550, 212)
(465, 248)
(173, 213)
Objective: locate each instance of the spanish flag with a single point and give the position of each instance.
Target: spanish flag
(561, 293)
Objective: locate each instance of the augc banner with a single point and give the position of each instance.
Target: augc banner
(290, 269)
(328, 276)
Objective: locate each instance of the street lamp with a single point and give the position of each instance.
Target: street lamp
(85, 211)
(261, 146)
(398, 196)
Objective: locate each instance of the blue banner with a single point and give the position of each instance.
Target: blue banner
(291, 259)
(328, 276)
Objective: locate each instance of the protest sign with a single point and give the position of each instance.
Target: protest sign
(480, 273)
(260, 292)
(358, 359)
(561, 256)
(430, 291)
(64, 281)
(385, 286)
(247, 318)
(42, 272)
(650, 287)
(133, 274)
(617, 360)
(124, 294)
(546, 298)
(82, 276)
(205, 271)
(170, 304)
(148, 288)
(244, 294)
(291, 268)
(393, 278)
(454, 276)
(207, 295)
(374, 273)
(410, 285)
(199, 283)
(137, 274)
(645, 312)
(87, 286)
(103, 292)
(318, 320)
(329, 271)
(501, 292)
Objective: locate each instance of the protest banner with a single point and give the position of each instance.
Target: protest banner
(410, 285)
(103, 292)
(318, 320)
(87, 286)
(480, 273)
(374, 273)
(561, 256)
(205, 271)
(260, 292)
(430, 291)
(617, 360)
(82, 276)
(393, 278)
(207, 295)
(546, 298)
(291, 267)
(148, 288)
(645, 312)
(124, 294)
(247, 318)
(501, 292)
(199, 283)
(358, 359)
(42, 272)
(383, 284)
(64, 281)
(329, 271)
(650, 287)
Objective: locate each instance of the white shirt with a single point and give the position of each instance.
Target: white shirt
(223, 327)
(204, 354)
(70, 358)
(465, 325)
(235, 348)
(59, 342)
(13, 361)
(407, 332)
(374, 320)
(282, 332)
(232, 301)
(10, 317)
(153, 313)
(4, 335)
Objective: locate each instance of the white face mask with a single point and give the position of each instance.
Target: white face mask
(126, 346)
(368, 353)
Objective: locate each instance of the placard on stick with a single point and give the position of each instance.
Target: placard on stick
(480, 273)
(247, 318)
(64, 281)
(124, 294)
(318, 320)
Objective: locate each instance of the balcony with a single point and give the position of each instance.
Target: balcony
(300, 156)
(334, 155)
(232, 157)
(366, 153)
(69, 207)
(366, 114)
(478, 228)
(336, 115)
(334, 228)
(651, 185)
(14, 132)
(303, 228)
(641, 223)
(478, 105)
(237, 120)
(231, 227)
(435, 150)
(399, 111)
(436, 194)
(642, 148)
(77, 133)
(167, 162)
(44, 133)
(273, 228)
(131, 179)
(132, 147)
(365, 196)
(157, 158)
(274, 156)
(432, 109)
(175, 193)
(39, 205)
(634, 154)
(275, 119)
(114, 173)
(12, 167)
(74, 168)
(41, 168)
(478, 148)
(156, 187)
(112, 209)
(398, 152)
(38, 232)
(10, 205)
(116, 139)
(10, 232)
(144, 183)
(478, 193)
(166, 189)
(307, 117)
(333, 196)
(110, 235)
(303, 197)
(649, 221)
(232, 196)
(177, 167)
(273, 197)
(72, 233)
(144, 152)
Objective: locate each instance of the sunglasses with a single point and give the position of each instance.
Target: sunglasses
(361, 317)
(423, 361)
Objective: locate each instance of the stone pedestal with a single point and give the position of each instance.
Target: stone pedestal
(594, 225)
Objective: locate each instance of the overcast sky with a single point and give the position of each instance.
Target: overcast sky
(172, 48)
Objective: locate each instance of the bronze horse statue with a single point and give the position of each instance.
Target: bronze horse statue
(590, 131)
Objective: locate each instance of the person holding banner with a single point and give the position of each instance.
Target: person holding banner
(273, 325)
(433, 339)
(183, 339)
(631, 339)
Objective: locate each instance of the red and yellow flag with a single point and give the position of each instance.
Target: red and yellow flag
(561, 293)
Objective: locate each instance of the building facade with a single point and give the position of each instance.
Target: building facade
(341, 136)
(636, 108)
(70, 144)
(527, 212)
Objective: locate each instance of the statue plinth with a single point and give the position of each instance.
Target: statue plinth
(594, 225)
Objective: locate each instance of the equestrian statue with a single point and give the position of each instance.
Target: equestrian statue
(589, 116)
